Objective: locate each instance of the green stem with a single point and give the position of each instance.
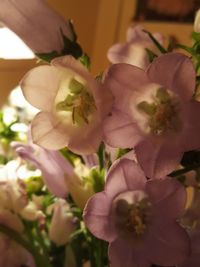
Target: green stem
(39, 258)
(101, 156)
(159, 46)
(184, 170)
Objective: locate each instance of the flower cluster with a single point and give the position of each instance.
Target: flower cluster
(111, 163)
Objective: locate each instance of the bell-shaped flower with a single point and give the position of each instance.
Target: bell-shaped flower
(73, 106)
(62, 224)
(134, 50)
(36, 23)
(154, 112)
(139, 218)
(55, 169)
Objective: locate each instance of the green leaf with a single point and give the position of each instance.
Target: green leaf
(151, 55)
(157, 44)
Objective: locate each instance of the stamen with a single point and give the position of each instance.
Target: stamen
(79, 102)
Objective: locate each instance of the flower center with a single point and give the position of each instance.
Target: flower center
(79, 102)
(162, 112)
(132, 216)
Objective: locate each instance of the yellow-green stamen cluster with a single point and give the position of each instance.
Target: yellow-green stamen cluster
(162, 113)
(79, 102)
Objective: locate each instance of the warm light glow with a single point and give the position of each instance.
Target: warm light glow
(12, 47)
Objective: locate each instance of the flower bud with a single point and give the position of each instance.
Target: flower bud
(62, 224)
(197, 22)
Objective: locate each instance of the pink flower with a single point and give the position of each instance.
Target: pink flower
(138, 218)
(55, 169)
(73, 106)
(36, 23)
(154, 112)
(134, 50)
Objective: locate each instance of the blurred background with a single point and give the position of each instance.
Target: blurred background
(101, 23)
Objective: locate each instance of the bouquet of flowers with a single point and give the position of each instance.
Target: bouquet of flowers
(108, 172)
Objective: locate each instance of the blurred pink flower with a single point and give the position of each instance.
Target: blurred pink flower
(138, 218)
(62, 224)
(73, 106)
(134, 50)
(36, 23)
(154, 112)
(53, 165)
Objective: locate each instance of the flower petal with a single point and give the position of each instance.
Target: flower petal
(123, 79)
(96, 216)
(86, 141)
(168, 197)
(49, 133)
(175, 72)
(122, 254)
(120, 130)
(158, 157)
(43, 34)
(124, 175)
(168, 245)
(40, 86)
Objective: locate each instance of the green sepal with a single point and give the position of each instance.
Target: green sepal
(157, 44)
(151, 55)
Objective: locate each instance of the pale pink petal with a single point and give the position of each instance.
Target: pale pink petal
(190, 136)
(194, 259)
(69, 62)
(159, 157)
(97, 216)
(168, 197)
(120, 131)
(40, 86)
(124, 175)
(168, 245)
(175, 72)
(122, 254)
(36, 23)
(123, 79)
(86, 142)
(48, 132)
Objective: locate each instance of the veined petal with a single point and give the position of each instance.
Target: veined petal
(123, 79)
(96, 216)
(42, 35)
(168, 197)
(124, 175)
(40, 86)
(168, 245)
(158, 157)
(48, 132)
(120, 131)
(175, 72)
(122, 254)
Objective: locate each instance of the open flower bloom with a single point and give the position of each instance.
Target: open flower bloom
(138, 218)
(73, 106)
(43, 34)
(55, 169)
(134, 50)
(154, 112)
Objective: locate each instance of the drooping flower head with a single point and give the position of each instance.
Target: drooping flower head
(134, 50)
(42, 35)
(73, 106)
(138, 218)
(154, 112)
